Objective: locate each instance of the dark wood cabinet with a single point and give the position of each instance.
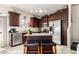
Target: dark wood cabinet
(63, 16)
(13, 19)
(51, 17)
(23, 37)
(39, 23)
(64, 26)
(34, 22)
(44, 19)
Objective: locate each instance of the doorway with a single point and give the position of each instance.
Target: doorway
(3, 31)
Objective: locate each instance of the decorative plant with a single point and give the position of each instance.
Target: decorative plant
(30, 31)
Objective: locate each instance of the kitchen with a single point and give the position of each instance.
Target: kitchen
(40, 24)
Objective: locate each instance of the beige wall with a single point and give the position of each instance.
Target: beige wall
(4, 10)
(75, 23)
(69, 27)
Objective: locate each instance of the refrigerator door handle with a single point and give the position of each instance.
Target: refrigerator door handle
(53, 29)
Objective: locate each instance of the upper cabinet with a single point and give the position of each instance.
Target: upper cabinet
(13, 19)
(39, 23)
(34, 22)
(44, 20)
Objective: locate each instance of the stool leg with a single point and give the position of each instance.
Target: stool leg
(52, 50)
(41, 49)
(25, 50)
(55, 49)
(38, 50)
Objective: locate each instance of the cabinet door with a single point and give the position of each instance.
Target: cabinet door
(23, 37)
(14, 19)
(34, 22)
(39, 22)
(45, 20)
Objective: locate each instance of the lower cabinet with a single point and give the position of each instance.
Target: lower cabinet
(23, 37)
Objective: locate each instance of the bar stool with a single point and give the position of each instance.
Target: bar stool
(48, 43)
(34, 46)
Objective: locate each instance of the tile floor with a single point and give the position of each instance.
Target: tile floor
(19, 50)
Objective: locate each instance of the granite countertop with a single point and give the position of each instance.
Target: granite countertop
(39, 34)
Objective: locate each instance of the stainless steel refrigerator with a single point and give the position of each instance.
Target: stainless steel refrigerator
(56, 31)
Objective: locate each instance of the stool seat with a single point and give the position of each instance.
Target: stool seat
(49, 43)
(31, 44)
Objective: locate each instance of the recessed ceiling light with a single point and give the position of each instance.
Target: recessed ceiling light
(45, 10)
(36, 10)
(39, 11)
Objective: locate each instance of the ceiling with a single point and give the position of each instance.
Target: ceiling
(50, 8)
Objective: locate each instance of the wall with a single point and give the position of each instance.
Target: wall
(69, 35)
(75, 23)
(4, 11)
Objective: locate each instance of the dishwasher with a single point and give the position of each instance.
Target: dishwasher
(15, 39)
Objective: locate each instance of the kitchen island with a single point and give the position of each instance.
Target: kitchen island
(38, 36)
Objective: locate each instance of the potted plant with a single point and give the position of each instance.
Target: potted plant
(30, 31)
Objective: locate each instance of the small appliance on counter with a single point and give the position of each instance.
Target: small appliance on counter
(45, 29)
(12, 30)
